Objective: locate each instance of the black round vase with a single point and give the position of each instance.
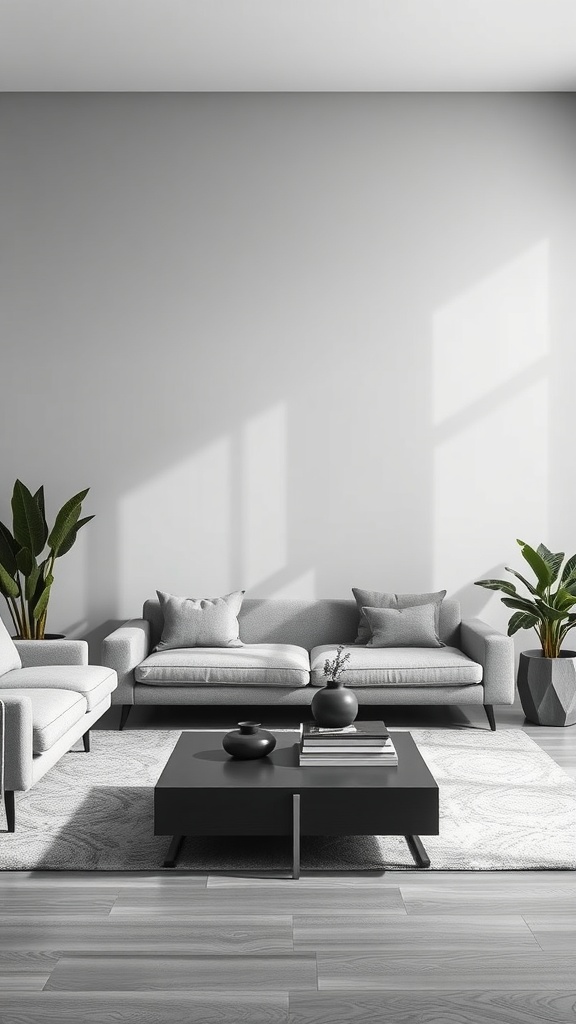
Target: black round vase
(334, 706)
(248, 741)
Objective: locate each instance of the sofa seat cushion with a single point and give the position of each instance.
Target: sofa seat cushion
(54, 712)
(400, 666)
(253, 664)
(94, 682)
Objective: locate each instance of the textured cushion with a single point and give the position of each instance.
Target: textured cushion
(91, 681)
(54, 712)
(199, 622)
(400, 666)
(9, 657)
(375, 599)
(255, 665)
(403, 627)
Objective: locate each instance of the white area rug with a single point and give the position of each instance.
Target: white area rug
(504, 805)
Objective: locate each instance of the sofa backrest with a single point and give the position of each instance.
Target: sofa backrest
(308, 624)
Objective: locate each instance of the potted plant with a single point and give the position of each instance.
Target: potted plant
(334, 706)
(546, 677)
(26, 568)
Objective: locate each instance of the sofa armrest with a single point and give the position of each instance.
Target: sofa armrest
(123, 650)
(52, 652)
(495, 652)
(17, 741)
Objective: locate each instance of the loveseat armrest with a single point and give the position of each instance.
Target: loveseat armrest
(52, 652)
(123, 650)
(17, 741)
(495, 652)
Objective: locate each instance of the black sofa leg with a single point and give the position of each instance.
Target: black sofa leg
(10, 806)
(86, 740)
(490, 716)
(126, 708)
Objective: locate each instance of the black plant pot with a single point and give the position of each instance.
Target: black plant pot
(248, 742)
(334, 706)
(547, 688)
(47, 636)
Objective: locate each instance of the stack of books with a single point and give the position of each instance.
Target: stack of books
(363, 744)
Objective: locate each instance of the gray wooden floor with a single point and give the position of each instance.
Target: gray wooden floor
(399, 947)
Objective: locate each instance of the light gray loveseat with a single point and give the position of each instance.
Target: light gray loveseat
(285, 645)
(51, 697)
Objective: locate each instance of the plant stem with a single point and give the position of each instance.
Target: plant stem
(13, 611)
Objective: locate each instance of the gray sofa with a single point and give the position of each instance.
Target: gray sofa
(285, 645)
(51, 697)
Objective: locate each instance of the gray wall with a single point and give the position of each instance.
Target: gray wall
(294, 343)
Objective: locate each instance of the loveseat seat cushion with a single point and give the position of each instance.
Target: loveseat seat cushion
(399, 666)
(94, 682)
(253, 664)
(54, 712)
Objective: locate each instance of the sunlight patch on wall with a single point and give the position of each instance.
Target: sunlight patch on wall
(174, 531)
(491, 410)
(489, 334)
(490, 486)
(302, 587)
(264, 495)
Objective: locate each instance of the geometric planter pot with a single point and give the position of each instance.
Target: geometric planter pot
(547, 687)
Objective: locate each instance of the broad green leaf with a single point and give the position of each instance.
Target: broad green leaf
(32, 582)
(569, 625)
(548, 612)
(65, 520)
(540, 568)
(25, 561)
(39, 499)
(523, 604)
(8, 586)
(71, 538)
(503, 585)
(553, 561)
(529, 586)
(521, 620)
(8, 550)
(569, 571)
(42, 602)
(564, 599)
(28, 520)
(570, 588)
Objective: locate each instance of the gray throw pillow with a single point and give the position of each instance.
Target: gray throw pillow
(375, 599)
(403, 627)
(9, 657)
(200, 622)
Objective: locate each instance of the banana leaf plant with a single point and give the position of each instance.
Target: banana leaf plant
(548, 607)
(26, 567)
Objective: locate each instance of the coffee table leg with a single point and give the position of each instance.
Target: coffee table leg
(296, 835)
(173, 851)
(416, 847)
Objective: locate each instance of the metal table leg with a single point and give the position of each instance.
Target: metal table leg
(173, 851)
(296, 835)
(416, 847)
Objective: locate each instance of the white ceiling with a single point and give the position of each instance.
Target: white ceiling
(287, 45)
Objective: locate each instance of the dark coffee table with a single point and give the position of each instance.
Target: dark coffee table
(203, 792)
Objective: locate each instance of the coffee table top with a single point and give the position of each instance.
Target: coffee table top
(199, 761)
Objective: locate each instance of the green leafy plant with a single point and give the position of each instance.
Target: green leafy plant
(333, 668)
(546, 610)
(26, 568)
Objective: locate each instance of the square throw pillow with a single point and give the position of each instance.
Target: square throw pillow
(9, 657)
(403, 627)
(375, 599)
(200, 622)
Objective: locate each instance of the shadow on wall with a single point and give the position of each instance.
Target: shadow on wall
(288, 360)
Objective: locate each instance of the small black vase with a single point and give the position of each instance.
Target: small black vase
(248, 741)
(334, 706)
